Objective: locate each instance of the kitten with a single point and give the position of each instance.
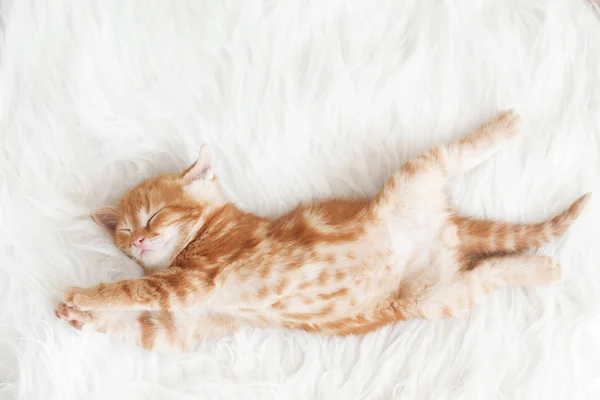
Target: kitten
(336, 267)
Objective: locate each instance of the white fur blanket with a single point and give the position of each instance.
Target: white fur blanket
(300, 99)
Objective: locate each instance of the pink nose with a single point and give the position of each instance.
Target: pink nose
(138, 242)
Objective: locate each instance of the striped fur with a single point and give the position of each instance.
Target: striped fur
(484, 238)
(336, 267)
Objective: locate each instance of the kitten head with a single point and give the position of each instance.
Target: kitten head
(157, 218)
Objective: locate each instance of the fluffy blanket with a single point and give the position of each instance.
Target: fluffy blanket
(301, 99)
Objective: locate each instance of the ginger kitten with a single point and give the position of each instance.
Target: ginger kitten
(336, 267)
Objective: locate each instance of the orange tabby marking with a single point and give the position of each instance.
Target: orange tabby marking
(338, 267)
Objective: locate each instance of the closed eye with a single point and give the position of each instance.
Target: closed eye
(126, 230)
(153, 215)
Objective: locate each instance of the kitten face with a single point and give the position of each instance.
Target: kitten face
(156, 219)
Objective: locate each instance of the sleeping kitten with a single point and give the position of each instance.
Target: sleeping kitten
(336, 267)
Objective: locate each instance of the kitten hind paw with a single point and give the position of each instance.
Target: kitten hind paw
(506, 123)
(552, 271)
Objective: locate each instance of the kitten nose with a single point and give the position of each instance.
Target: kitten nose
(138, 242)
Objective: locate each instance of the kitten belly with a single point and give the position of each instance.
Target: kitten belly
(414, 239)
(341, 280)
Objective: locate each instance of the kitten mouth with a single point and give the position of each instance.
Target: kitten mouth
(144, 251)
(151, 247)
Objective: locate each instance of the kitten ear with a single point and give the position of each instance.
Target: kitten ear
(202, 168)
(106, 217)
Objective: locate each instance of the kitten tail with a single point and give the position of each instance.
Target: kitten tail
(487, 237)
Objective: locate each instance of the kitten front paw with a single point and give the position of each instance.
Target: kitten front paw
(78, 298)
(74, 316)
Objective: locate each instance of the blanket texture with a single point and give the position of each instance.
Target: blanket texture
(301, 99)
